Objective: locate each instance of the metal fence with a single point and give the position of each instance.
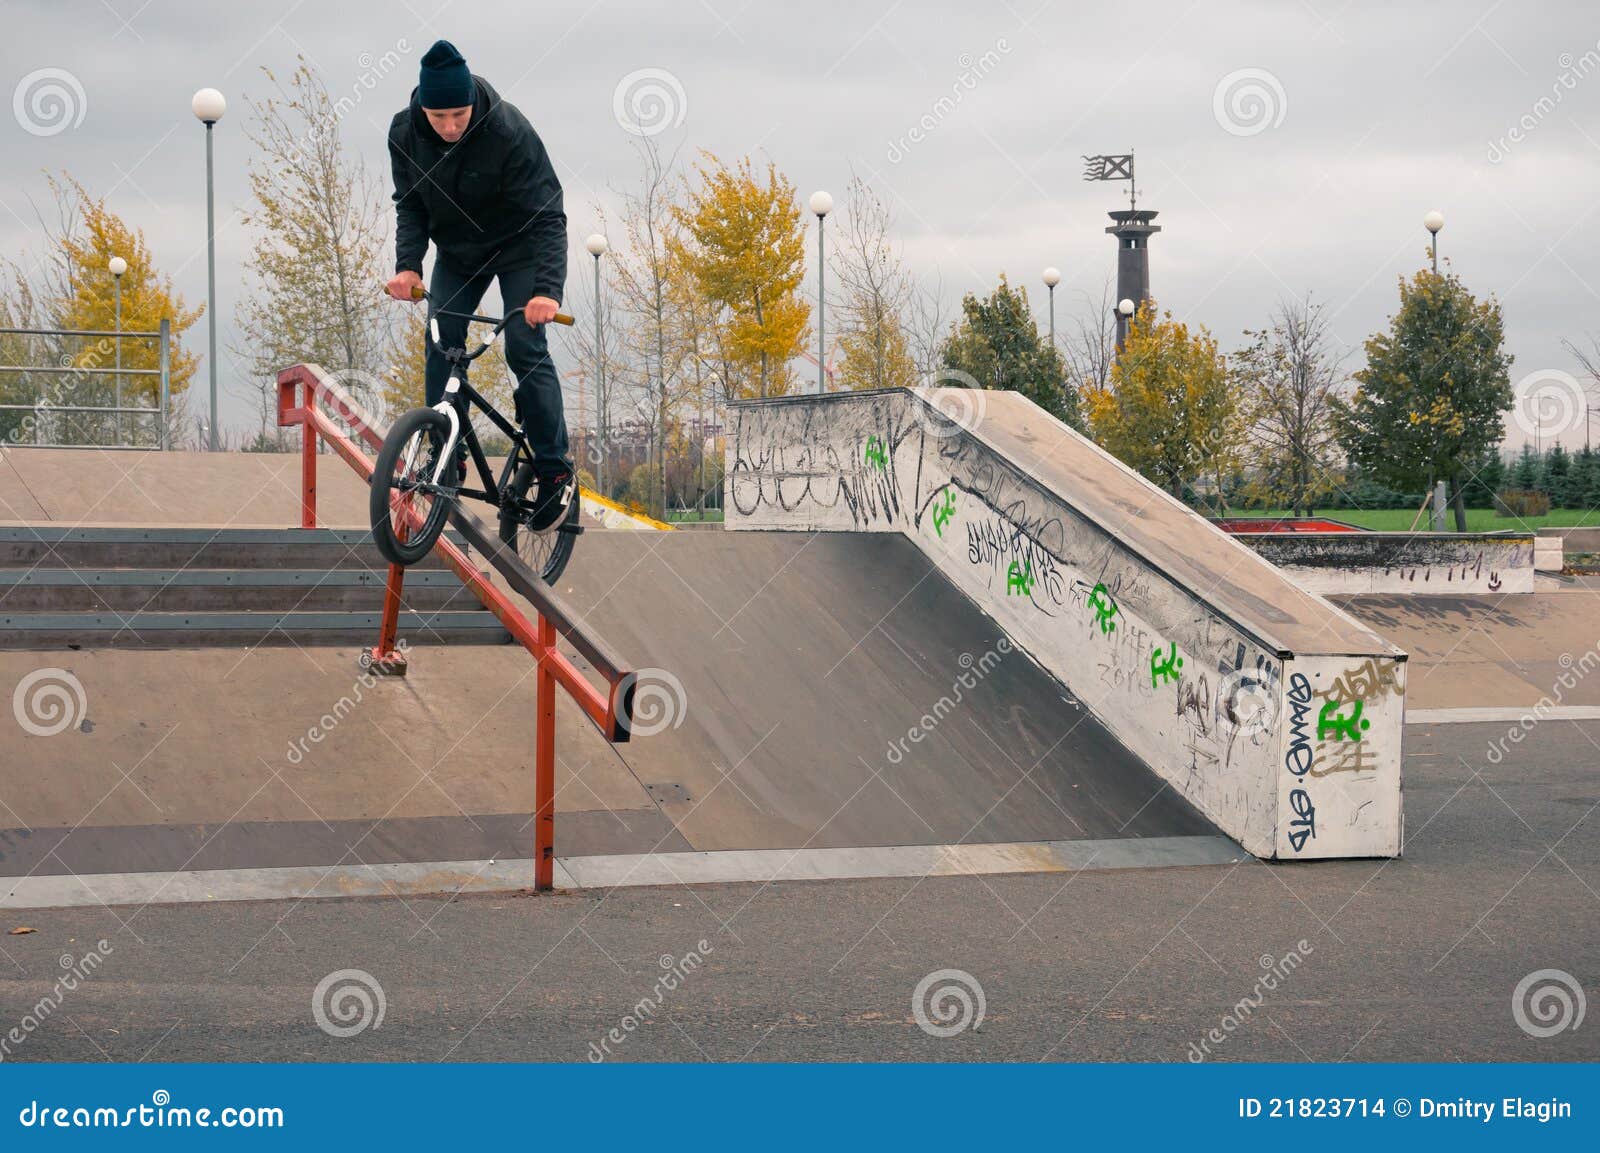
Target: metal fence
(87, 398)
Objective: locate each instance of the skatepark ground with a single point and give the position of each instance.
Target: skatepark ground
(802, 658)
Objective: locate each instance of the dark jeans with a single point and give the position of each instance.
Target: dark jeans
(538, 392)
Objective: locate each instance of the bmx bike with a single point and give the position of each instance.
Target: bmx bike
(419, 472)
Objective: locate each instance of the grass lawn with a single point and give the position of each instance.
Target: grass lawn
(675, 515)
(1478, 519)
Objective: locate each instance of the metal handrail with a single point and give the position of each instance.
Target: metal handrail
(611, 712)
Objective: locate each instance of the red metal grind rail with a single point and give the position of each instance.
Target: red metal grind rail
(611, 711)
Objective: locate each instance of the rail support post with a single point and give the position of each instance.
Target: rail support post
(544, 771)
(385, 659)
(308, 459)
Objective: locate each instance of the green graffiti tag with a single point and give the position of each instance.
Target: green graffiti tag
(1019, 579)
(1334, 725)
(876, 456)
(1104, 607)
(1164, 668)
(944, 508)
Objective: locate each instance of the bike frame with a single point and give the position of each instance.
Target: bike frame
(457, 403)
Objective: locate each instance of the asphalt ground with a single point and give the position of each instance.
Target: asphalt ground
(1411, 959)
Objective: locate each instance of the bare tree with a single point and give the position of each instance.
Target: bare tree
(1090, 345)
(319, 258)
(604, 379)
(641, 275)
(1589, 360)
(928, 322)
(1290, 373)
(874, 288)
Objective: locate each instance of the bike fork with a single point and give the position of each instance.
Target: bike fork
(447, 406)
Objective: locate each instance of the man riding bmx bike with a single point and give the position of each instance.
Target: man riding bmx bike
(472, 176)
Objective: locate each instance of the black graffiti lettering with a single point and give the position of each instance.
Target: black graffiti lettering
(1304, 826)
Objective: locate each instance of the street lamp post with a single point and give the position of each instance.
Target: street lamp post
(597, 245)
(821, 204)
(1125, 311)
(118, 266)
(1052, 277)
(208, 106)
(1433, 222)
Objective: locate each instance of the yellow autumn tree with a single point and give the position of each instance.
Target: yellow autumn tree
(877, 355)
(741, 239)
(1167, 409)
(88, 302)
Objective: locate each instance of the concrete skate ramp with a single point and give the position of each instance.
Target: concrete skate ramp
(1277, 714)
(1510, 651)
(837, 690)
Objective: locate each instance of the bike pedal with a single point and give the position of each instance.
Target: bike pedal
(573, 529)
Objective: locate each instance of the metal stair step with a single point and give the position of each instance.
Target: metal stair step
(210, 629)
(196, 590)
(215, 548)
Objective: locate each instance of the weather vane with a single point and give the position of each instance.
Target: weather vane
(1112, 168)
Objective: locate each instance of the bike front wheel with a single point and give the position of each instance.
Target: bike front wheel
(547, 552)
(408, 514)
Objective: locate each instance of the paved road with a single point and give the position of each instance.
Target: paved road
(1411, 959)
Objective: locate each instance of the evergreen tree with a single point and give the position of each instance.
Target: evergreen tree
(1557, 467)
(1487, 478)
(1586, 479)
(1525, 476)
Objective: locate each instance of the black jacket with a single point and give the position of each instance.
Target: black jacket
(490, 201)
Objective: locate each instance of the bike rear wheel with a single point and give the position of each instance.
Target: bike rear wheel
(407, 521)
(547, 552)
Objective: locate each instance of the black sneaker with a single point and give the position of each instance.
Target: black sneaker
(555, 492)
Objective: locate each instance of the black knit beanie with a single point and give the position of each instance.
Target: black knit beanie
(446, 82)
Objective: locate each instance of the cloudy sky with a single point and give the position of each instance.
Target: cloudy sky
(1289, 147)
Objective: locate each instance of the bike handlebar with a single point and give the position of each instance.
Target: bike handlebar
(499, 323)
(420, 293)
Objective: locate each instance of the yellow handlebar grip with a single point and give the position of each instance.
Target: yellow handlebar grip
(563, 318)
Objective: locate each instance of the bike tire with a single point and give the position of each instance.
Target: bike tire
(429, 429)
(547, 552)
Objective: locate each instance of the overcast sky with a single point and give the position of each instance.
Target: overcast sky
(1289, 147)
